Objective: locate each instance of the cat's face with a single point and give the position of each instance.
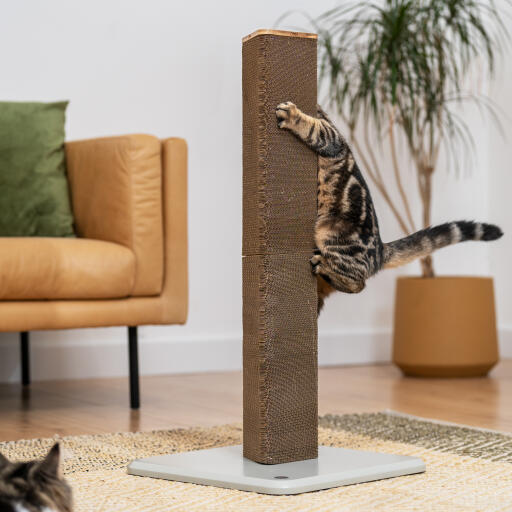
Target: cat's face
(35, 486)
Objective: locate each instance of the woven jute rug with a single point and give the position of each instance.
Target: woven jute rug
(467, 469)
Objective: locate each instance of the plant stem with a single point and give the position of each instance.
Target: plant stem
(425, 172)
(427, 269)
(397, 172)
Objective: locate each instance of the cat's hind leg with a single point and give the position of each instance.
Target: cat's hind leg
(324, 266)
(324, 289)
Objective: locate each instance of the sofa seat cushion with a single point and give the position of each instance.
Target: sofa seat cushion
(64, 268)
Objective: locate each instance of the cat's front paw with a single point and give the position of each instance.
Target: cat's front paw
(286, 114)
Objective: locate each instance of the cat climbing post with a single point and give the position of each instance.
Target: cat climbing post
(280, 453)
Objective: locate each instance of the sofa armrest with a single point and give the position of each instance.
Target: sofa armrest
(116, 194)
(175, 290)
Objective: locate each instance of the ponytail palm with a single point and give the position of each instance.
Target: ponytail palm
(396, 70)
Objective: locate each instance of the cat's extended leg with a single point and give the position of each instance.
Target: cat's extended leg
(318, 133)
(324, 289)
(324, 265)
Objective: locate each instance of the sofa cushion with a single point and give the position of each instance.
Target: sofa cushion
(64, 268)
(34, 194)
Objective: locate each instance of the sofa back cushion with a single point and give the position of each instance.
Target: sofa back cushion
(34, 195)
(116, 189)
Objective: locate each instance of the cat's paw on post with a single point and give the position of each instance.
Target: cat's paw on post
(286, 113)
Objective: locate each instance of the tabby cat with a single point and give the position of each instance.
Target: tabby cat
(35, 486)
(349, 249)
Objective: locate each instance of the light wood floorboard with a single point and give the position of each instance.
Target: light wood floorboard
(96, 406)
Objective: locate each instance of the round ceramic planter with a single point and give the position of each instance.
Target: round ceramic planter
(445, 326)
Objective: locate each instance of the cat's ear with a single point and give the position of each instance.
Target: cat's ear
(4, 461)
(50, 465)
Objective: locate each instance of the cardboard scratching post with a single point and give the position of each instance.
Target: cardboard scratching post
(279, 290)
(280, 452)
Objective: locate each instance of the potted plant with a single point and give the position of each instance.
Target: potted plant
(395, 72)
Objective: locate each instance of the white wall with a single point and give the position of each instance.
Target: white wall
(174, 68)
(500, 188)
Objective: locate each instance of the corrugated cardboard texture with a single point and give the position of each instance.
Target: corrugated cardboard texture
(279, 291)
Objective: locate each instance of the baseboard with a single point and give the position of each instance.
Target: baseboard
(505, 340)
(94, 354)
(354, 347)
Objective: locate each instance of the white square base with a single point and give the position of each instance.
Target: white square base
(226, 467)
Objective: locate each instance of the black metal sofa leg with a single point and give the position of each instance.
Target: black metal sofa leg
(25, 358)
(133, 356)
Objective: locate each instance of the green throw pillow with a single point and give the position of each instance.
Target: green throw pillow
(34, 194)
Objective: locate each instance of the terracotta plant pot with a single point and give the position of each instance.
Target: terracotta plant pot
(445, 326)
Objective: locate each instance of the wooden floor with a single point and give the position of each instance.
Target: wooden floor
(96, 406)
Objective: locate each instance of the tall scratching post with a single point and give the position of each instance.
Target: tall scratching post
(279, 290)
(280, 453)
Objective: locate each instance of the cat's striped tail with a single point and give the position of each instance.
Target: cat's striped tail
(426, 241)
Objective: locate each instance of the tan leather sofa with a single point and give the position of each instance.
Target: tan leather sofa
(128, 264)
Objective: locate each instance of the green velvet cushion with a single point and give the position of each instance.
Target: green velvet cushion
(34, 194)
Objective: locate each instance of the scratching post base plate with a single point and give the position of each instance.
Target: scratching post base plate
(226, 467)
